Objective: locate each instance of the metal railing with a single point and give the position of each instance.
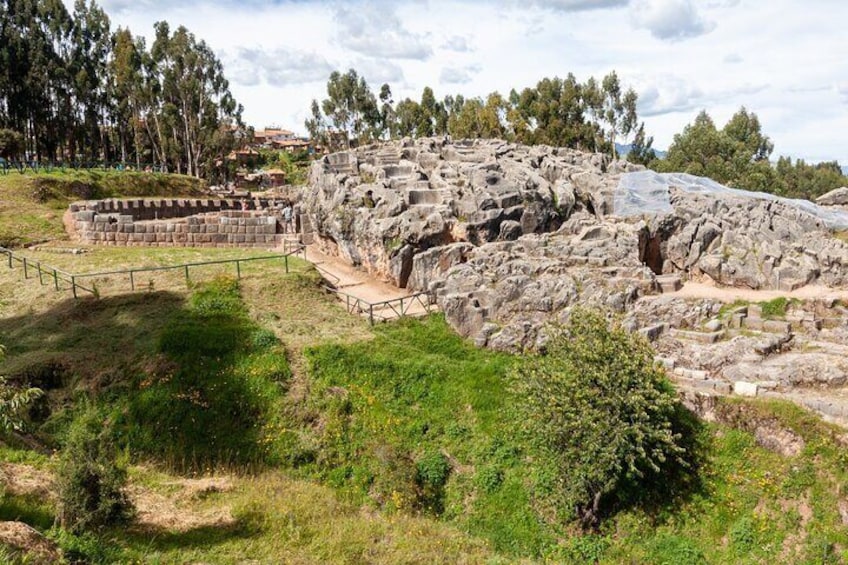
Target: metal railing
(59, 276)
(376, 311)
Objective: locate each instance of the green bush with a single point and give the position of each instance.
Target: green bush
(742, 537)
(433, 469)
(489, 478)
(263, 339)
(85, 548)
(90, 480)
(775, 308)
(598, 407)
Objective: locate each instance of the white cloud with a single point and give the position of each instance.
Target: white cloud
(579, 5)
(278, 54)
(276, 67)
(842, 91)
(375, 30)
(665, 94)
(458, 44)
(672, 20)
(379, 71)
(458, 75)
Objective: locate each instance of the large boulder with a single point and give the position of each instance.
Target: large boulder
(837, 197)
(508, 238)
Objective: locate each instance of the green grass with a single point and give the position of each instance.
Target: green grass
(347, 444)
(389, 406)
(775, 308)
(32, 204)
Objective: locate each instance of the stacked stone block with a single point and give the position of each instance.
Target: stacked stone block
(176, 222)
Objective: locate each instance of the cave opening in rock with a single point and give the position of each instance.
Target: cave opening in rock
(650, 251)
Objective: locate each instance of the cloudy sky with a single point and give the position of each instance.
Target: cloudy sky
(787, 60)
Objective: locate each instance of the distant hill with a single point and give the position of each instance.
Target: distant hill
(623, 150)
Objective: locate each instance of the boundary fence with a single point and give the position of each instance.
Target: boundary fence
(60, 278)
(376, 311)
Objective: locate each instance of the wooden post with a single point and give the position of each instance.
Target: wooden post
(74, 285)
(26, 274)
(186, 273)
(238, 269)
(40, 277)
(132, 281)
(371, 313)
(55, 279)
(287, 263)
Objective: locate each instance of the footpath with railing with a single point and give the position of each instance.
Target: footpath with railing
(63, 280)
(387, 306)
(415, 304)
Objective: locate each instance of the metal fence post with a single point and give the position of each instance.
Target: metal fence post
(186, 273)
(55, 279)
(9, 253)
(132, 281)
(287, 263)
(26, 274)
(74, 285)
(238, 269)
(40, 277)
(371, 313)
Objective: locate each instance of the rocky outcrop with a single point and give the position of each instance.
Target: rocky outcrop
(508, 237)
(837, 197)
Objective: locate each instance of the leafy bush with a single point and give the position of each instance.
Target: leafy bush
(13, 402)
(85, 548)
(262, 339)
(433, 469)
(742, 536)
(775, 308)
(598, 407)
(489, 478)
(91, 482)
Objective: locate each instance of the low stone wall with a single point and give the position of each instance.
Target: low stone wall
(177, 222)
(165, 208)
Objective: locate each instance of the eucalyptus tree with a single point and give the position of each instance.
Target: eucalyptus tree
(197, 109)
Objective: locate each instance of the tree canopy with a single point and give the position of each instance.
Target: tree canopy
(74, 90)
(562, 112)
(600, 410)
(738, 155)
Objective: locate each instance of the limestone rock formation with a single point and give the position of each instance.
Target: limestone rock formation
(837, 197)
(508, 237)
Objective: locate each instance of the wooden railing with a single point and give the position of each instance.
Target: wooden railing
(58, 276)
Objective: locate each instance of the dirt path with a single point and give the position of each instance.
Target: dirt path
(730, 294)
(356, 283)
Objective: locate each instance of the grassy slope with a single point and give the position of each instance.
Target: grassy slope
(369, 416)
(32, 205)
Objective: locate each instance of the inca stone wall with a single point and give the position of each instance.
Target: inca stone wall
(177, 222)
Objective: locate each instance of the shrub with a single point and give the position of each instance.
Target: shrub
(599, 409)
(432, 472)
(13, 402)
(91, 482)
(775, 308)
(489, 478)
(262, 339)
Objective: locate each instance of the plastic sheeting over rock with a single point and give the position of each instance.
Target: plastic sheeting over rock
(648, 193)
